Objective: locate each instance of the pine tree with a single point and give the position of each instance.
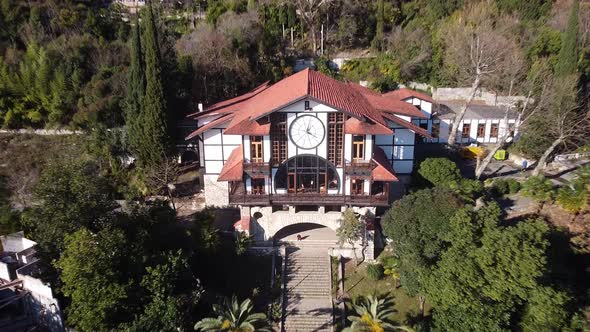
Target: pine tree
(568, 55)
(153, 117)
(135, 91)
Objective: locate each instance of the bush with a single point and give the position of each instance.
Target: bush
(513, 186)
(573, 198)
(375, 271)
(538, 187)
(440, 172)
(500, 187)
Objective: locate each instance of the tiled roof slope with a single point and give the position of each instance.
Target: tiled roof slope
(365, 105)
(233, 168)
(383, 171)
(404, 93)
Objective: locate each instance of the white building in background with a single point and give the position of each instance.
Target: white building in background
(488, 117)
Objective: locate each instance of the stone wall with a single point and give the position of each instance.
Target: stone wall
(489, 98)
(265, 224)
(216, 193)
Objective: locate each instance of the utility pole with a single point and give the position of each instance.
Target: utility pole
(291, 37)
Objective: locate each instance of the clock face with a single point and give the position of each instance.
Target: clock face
(307, 131)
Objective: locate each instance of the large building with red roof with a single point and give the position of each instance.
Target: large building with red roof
(307, 142)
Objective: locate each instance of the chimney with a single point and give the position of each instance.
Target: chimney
(200, 107)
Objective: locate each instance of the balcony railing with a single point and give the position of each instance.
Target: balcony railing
(360, 168)
(381, 199)
(256, 169)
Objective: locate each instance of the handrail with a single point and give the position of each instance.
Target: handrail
(319, 198)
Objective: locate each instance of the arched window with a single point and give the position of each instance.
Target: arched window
(307, 174)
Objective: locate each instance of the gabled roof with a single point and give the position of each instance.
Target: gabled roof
(383, 171)
(212, 124)
(233, 168)
(404, 93)
(406, 124)
(367, 107)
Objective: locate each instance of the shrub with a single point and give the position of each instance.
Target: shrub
(538, 187)
(573, 198)
(440, 172)
(375, 271)
(513, 186)
(500, 187)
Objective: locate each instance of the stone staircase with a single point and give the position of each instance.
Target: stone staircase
(308, 304)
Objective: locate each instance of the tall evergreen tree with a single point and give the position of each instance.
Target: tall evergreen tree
(155, 140)
(568, 55)
(136, 90)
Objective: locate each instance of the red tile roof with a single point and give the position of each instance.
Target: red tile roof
(404, 93)
(368, 107)
(233, 168)
(356, 127)
(383, 171)
(389, 105)
(209, 125)
(407, 124)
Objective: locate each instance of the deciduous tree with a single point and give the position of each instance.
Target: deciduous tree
(94, 285)
(477, 49)
(489, 270)
(351, 230)
(418, 224)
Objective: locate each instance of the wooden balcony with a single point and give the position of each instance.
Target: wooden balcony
(381, 199)
(256, 169)
(360, 168)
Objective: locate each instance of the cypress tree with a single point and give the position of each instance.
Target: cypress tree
(568, 55)
(155, 141)
(135, 91)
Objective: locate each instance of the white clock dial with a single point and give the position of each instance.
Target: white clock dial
(307, 132)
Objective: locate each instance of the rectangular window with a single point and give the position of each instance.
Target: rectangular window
(357, 187)
(258, 186)
(435, 130)
(481, 130)
(494, 130)
(278, 137)
(256, 149)
(335, 138)
(358, 147)
(466, 130)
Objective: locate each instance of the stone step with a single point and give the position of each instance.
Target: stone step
(297, 296)
(308, 285)
(295, 279)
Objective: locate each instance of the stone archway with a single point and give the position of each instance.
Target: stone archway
(307, 232)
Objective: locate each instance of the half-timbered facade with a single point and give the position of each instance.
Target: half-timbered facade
(305, 143)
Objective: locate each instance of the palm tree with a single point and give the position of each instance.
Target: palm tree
(372, 314)
(234, 316)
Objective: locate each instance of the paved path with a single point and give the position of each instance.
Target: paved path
(308, 305)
